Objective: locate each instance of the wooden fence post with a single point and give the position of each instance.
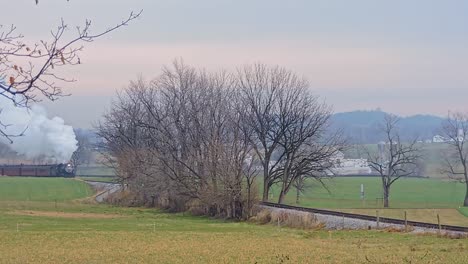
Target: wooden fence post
(378, 219)
(438, 223)
(406, 223)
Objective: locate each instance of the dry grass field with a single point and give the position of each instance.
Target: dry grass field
(260, 244)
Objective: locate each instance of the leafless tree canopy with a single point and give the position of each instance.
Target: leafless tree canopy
(195, 139)
(288, 126)
(455, 130)
(394, 158)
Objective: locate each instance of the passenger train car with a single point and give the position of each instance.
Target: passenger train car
(49, 170)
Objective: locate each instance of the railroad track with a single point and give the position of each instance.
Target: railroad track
(367, 217)
(107, 189)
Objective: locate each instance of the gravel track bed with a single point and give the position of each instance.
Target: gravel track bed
(344, 223)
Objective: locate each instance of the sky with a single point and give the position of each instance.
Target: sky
(405, 57)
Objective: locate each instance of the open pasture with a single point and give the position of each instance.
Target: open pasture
(405, 193)
(42, 189)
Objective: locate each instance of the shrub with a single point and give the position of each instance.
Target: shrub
(287, 218)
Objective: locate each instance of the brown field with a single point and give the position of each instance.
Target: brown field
(261, 246)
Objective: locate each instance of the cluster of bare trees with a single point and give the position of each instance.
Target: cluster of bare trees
(191, 137)
(395, 158)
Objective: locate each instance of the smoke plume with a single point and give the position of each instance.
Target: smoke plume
(43, 137)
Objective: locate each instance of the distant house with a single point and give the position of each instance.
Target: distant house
(338, 157)
(439, 139)
(342, 166)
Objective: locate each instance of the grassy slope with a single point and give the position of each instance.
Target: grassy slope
(42, 189)
(136, 235)
(101, 179)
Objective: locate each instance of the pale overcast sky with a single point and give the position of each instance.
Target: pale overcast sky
(405, 56)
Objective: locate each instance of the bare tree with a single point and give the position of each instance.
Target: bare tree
(394, 159)
(288, 125)
(307, 148)
(83, 153)
(455, 129)
(262, 88)
(29, 71)
(121, 133)
(250, 173)
(300, 185)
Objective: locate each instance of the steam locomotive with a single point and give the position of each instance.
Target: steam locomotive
(50, 170)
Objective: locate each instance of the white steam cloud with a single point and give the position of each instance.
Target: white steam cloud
(43, 137)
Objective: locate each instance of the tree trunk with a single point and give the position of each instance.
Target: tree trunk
(266, 187)
(298, 193)
(466, 195)
(249, 206)
(386, 194)
(284, 191)
(281, 196)
(265, 190)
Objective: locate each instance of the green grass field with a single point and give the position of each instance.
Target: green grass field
(42, 189)
(71, 231)
(405, 193)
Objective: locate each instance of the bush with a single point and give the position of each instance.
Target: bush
(262, 217)
(196, 208)
(124, 198)
(287, 218)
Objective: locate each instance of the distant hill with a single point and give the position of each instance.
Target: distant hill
(363, 126)
(359, 127)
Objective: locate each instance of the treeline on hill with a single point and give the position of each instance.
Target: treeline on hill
(363, 127)
(197, 140)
